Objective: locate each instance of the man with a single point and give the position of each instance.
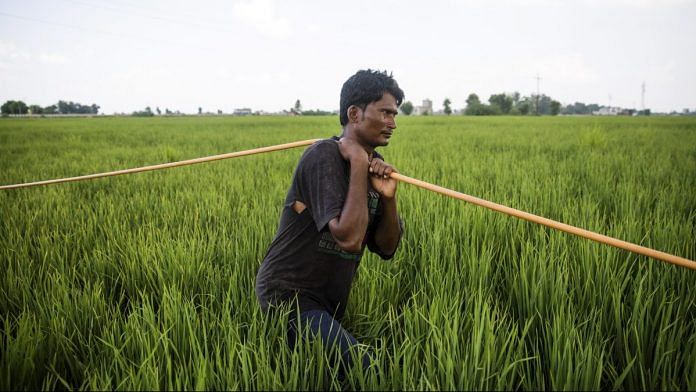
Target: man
(341, 200)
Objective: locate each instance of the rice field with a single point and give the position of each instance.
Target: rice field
(146, 281)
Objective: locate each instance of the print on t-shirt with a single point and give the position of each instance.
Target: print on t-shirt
(327, 244)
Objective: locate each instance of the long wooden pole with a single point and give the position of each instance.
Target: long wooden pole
(165, 165)
(672, 259)
(680, 261)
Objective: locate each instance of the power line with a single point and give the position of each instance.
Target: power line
(179, 22)
(99, 31)
(158, 10)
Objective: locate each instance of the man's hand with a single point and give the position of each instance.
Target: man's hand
(351, 151)
(379, 177)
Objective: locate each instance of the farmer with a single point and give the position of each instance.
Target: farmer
(341, 199)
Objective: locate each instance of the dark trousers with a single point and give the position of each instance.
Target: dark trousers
(338, 342)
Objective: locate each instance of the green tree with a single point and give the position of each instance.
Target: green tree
(35, 109)
(63, 107)
(473, 100)
(21, 107)
(555, 107)
(474, 106)
(14, 107)
(447, 109)
(503, 101)
(407, 108)
(524, 106)
(144, 113)
(297, 109)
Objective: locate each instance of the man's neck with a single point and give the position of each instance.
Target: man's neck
(348, 134)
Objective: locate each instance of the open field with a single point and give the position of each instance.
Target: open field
(146, 281)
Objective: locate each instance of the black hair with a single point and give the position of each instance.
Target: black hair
(365, 87)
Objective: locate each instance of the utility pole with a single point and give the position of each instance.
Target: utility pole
(642, 96)
(537, 94)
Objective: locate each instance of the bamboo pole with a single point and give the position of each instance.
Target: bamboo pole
(165, 165)
(672, 259)
(676, 260)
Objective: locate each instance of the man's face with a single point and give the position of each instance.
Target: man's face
(377, 122)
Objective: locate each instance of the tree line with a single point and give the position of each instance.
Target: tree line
(12, 107)
(517, 105)
(512, 104)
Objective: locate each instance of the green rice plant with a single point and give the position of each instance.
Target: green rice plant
(146, 281)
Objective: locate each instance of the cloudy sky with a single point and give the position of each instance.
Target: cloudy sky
(264, 54)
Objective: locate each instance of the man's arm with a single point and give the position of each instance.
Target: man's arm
(348, 229)
(388, 230)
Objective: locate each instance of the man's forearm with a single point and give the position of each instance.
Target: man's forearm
(349, 228)
(388, 231)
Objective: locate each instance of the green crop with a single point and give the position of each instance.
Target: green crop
(146, 281)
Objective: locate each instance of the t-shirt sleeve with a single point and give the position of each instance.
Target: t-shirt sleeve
(322, 182)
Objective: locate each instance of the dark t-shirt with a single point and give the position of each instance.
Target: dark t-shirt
(304, 259)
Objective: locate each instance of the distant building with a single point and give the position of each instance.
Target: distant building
(242, 112)
(425, 109)
(607, 111)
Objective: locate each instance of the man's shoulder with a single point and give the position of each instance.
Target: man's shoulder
(321, 149)
(326, 144)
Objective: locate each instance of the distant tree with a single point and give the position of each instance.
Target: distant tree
(581, 108)
(52, 109)
(14, 107)
(70, 107)
(446, 104)
(474, 106)
(407, 108)
(63, 107)
(555, 108)
(144, 113)
(21, 107)
(35, 109)
(490, 110)
(316, 113)
(591, 108)
(544, 105)
(515, 98)
(297, 109)
(200, 110)
(502, 101)
(159, 112)
(524, 106)
(218, 112)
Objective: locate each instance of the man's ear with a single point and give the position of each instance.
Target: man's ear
(353, 113)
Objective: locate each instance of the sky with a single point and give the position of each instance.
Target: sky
(125, 55)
